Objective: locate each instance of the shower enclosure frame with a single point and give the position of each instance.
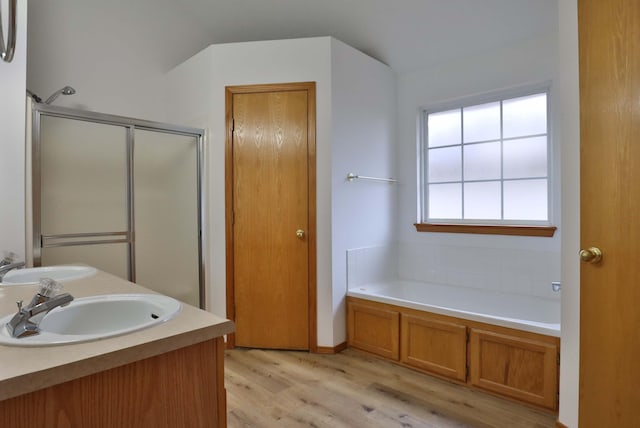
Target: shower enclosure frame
(130, 124)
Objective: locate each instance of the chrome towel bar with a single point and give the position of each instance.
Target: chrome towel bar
(351, 176)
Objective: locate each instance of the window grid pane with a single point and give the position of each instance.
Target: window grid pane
(483, 200)
(525, 116)
(482, 161)
(445, 200)
(444, 128)
(445, 165)
(503, 175)
(481, 122)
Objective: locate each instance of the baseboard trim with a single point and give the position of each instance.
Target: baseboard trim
(331, 349)
(560, 425)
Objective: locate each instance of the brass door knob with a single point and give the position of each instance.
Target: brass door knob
(591, 255)
(300, 233)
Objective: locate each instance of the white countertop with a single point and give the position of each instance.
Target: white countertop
(24, 370)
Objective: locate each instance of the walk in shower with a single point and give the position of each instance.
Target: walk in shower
(120, 194)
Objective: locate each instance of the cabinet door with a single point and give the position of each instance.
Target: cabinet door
(522, 368)
(373, 329)
(435, 346)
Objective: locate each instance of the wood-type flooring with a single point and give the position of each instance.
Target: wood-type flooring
(353, 389)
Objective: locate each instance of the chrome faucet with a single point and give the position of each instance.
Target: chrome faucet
(25, 323)
(9, 257)
(4, 269)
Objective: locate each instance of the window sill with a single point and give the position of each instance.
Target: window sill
(543, 231)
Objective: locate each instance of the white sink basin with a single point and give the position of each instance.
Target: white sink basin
(60, 273)
(96, 317)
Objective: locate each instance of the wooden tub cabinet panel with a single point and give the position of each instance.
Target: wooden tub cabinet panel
(374, 328)
(510, 365)
(435, 346)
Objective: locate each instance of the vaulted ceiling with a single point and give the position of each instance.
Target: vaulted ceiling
(405, 34)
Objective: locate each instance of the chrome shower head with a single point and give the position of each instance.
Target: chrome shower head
(67, 90)
(34, 97)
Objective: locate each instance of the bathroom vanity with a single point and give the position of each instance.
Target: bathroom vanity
(171, 374)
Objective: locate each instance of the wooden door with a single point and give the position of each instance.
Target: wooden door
(270, 244)
(609, 40)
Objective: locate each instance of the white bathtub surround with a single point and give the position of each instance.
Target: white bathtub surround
(523, 272)
(371, 264)
(528, 313)
(502, 286)
(508, 270)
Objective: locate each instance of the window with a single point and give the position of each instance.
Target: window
(487, 163)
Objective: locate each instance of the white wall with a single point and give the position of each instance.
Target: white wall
(196, 97)
(570, 134)
(12, 139)
(114, 53)
(524, 265)
(355, 116)
(363, 114)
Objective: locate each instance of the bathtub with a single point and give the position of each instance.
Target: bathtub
(533, 314)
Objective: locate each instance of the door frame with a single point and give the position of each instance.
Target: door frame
(310, 88)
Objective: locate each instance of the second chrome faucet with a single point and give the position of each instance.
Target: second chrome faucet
(9, 263)
(26, 321)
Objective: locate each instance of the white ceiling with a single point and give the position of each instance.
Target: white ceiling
(405, 34)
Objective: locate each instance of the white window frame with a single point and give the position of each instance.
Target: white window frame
(460, 103)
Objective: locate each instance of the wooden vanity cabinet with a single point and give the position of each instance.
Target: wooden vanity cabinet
(373, 327)
(180, 388)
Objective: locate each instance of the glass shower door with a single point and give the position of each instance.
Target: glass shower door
(166, 225)
(120, 194)
(84, 186)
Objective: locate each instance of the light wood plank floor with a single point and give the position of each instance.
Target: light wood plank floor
(353, 389)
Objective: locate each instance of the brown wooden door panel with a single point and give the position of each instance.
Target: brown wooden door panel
(436, 346)
(609, 49)
(270, 203)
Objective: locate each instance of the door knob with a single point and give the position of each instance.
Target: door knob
(300, 233)
(591, 255)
